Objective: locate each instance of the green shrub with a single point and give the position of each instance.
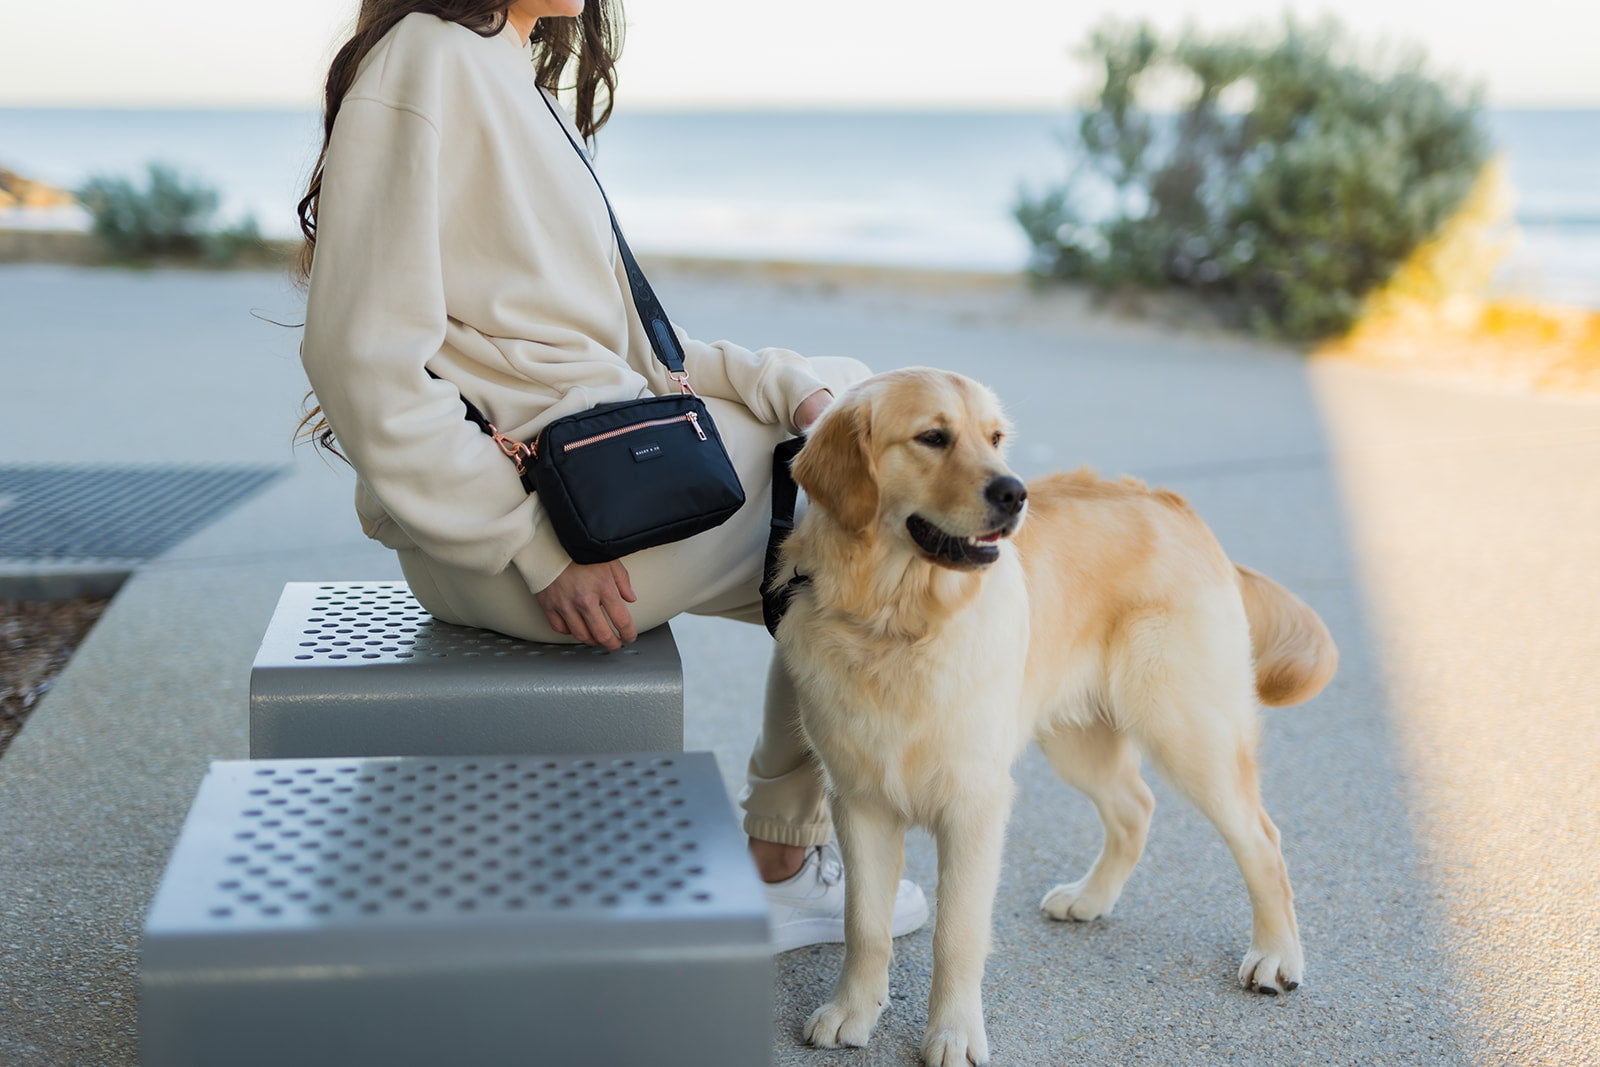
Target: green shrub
(169, 218)
(1290, 180)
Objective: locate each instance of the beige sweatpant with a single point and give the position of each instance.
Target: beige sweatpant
(714, 573)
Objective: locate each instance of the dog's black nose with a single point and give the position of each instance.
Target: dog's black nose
(1007, 494)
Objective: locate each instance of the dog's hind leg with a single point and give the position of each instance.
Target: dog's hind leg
(872, 844)
(1102, 762)
(1210, 757)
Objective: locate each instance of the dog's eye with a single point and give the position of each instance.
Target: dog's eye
(996, 438)
(934, 438)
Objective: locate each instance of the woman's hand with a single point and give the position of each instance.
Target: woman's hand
(587, 602)
(811, 409)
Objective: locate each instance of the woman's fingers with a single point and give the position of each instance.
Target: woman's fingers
(578, 630)
(589, 604)
(624, 583)
(596, 618)
(621, 619)
(613, 599)
(557, 623)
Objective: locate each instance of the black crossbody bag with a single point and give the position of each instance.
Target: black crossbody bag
(623, 477)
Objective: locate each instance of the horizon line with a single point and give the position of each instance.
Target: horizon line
(705, 107)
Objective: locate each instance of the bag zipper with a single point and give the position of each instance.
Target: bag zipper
(692, 418)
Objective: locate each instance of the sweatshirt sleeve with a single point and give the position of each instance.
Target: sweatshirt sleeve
(375, 315)
(771, 382)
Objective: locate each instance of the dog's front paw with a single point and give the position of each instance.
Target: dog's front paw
(839, 1022)
(1077, 902)
(1272, 969)
(955, 1046)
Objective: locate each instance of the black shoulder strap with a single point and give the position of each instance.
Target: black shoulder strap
(474, 416)
(662, 340)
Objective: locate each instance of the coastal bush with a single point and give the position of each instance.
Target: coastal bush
(1290, 180)
(169, 218)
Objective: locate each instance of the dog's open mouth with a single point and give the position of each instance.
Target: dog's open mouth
(953, 551)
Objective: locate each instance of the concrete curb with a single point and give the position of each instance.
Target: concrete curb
(23, 580)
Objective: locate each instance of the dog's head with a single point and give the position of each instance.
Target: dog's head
(918, 455)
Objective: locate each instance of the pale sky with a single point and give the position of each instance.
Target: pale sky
(761, 53)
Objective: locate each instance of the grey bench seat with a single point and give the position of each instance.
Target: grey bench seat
(456, 910)
(361, 669)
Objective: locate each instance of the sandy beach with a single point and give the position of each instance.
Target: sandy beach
(1438, 803)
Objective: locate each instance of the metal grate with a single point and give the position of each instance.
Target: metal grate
(383, 621)
(123, 513)
(333, 840)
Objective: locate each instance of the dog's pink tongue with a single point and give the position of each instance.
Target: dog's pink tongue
(990, 539)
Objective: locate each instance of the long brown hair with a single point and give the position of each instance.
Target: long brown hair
(594, 39)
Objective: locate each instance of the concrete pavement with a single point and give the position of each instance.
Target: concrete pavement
(1439, 803)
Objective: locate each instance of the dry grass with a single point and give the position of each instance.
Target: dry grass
(1432, 319)
(17, 191)
(37, 638)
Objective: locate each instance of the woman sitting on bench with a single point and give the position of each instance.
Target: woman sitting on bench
(458, 247)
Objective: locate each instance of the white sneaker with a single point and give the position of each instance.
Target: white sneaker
(808, 908)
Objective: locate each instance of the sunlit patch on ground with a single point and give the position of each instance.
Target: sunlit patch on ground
(1471, 518)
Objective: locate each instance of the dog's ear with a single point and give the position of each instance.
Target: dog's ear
(835, 467)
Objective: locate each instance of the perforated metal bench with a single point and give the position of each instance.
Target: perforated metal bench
(361, 669)
(597, 910)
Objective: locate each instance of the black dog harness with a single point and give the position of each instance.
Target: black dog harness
(774, 597)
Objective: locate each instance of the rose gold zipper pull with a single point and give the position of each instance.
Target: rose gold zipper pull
(694, 420)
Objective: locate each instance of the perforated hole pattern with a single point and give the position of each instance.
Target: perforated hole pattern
(451, 838)
(99, 512)
(382, 621)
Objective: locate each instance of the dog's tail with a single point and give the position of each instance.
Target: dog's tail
(1294, 654)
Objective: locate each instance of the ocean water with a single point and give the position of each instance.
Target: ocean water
(905, 189)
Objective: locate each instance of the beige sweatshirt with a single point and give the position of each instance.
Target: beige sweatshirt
(459, 232)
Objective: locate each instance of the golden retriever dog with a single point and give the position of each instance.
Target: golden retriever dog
(932, 632)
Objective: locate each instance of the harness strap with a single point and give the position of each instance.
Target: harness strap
(785, 494)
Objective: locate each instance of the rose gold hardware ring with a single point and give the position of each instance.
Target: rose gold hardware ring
(515, 450)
